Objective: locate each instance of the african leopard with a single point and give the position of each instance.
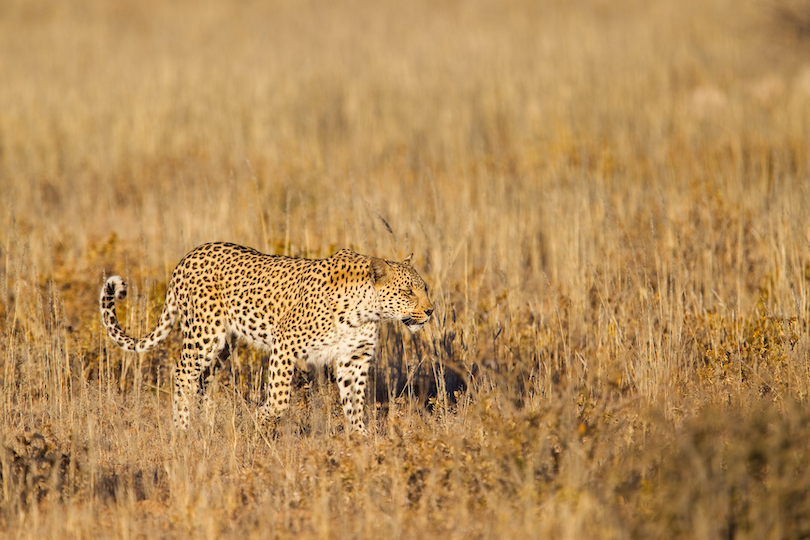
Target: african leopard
(311, 310)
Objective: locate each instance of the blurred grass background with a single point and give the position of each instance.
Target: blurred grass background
(608, 200)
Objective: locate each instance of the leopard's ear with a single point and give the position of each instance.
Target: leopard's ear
(379, 269)
(408, 260)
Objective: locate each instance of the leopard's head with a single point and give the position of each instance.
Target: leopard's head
(401, 292)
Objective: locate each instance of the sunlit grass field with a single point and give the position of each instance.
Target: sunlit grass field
(610, 202)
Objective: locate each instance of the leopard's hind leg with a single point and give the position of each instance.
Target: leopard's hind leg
(194, 372)
(279, 376)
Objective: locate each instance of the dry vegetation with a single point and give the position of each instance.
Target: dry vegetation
(608, 199)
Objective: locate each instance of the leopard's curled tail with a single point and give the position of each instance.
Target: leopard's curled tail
(115, 289)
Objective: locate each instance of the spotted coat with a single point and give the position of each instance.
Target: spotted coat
(298, 310)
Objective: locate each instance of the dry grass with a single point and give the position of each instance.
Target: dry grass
(608, 199)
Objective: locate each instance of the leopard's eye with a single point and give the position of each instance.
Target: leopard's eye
(406, 292)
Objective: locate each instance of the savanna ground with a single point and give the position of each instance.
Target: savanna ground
(609, 201)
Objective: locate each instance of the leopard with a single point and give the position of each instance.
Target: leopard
(298, 311)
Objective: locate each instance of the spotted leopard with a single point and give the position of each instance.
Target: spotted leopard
(310, 310)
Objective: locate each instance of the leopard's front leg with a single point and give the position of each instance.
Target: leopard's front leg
(352, 376)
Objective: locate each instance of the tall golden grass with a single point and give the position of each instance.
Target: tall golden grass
(609, 201)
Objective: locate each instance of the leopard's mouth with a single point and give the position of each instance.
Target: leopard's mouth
(413, 324)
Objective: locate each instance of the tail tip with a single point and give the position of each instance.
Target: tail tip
(116, 287)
